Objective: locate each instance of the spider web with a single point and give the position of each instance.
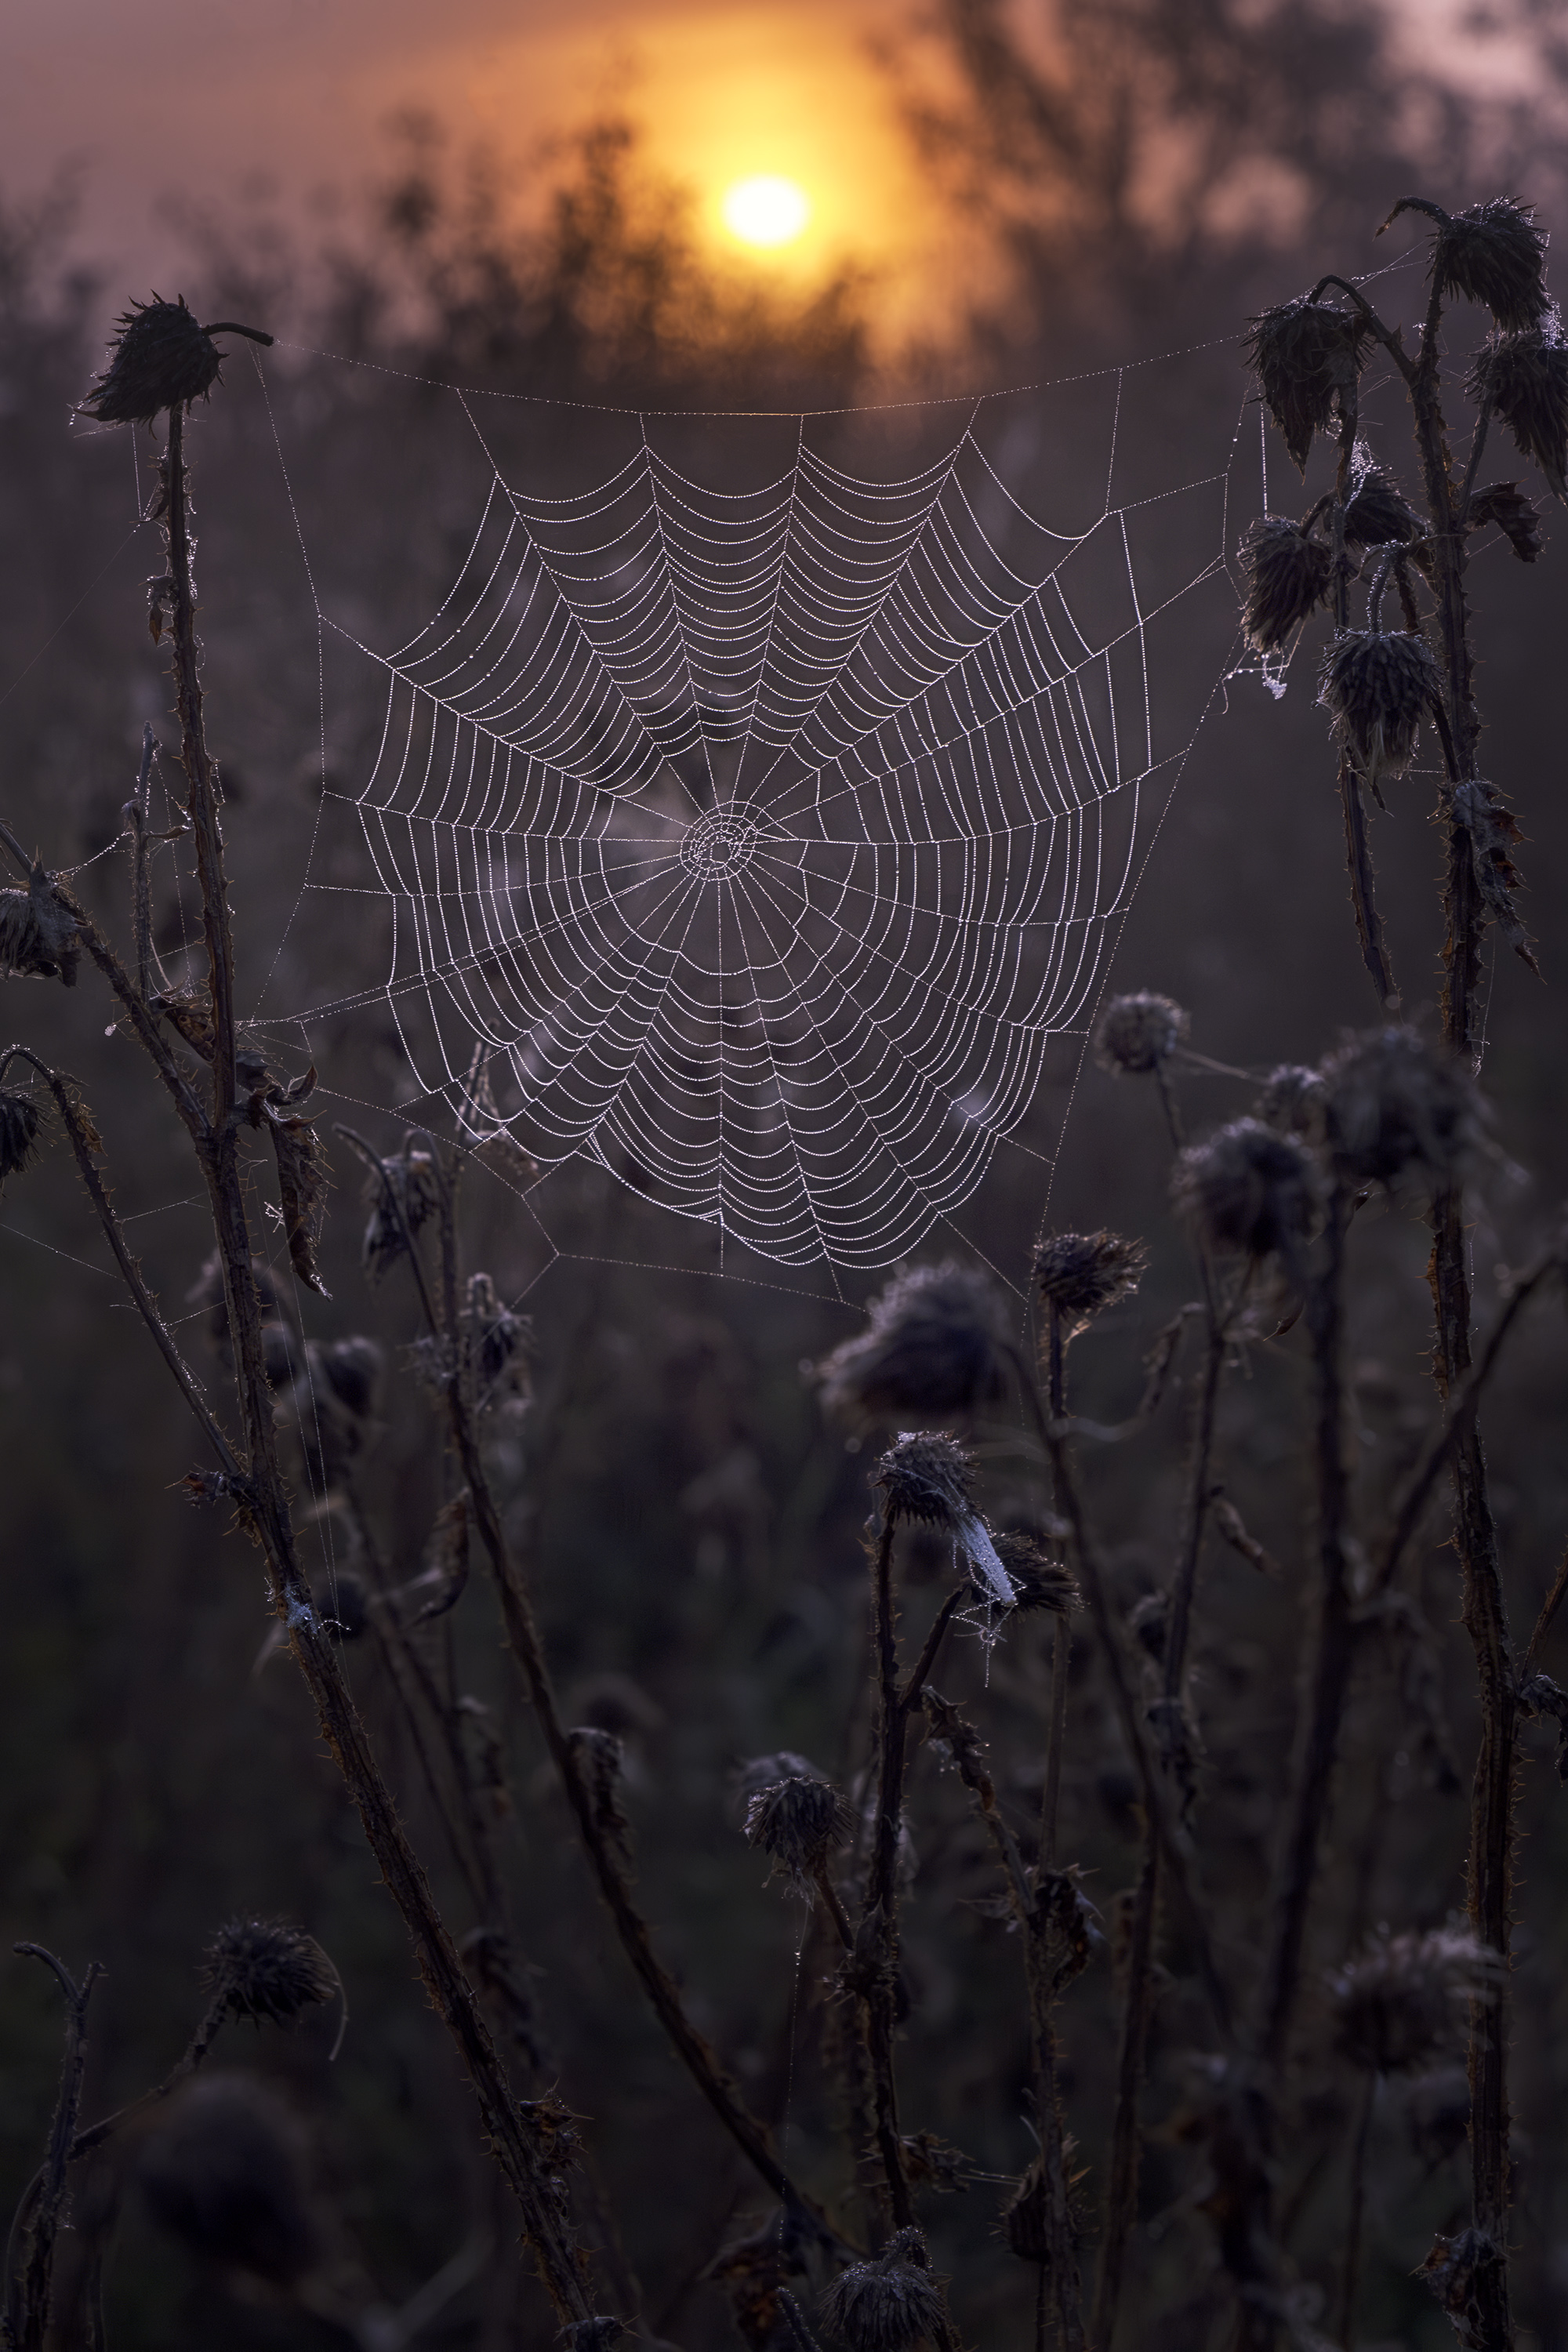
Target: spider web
(756, 842)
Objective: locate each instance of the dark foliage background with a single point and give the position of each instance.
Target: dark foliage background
(696, 1526)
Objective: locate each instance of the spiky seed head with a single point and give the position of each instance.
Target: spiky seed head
(352, 1369)
(497, 1341)
(268, 1969)
(1249, 1189)
(1395, 1107)
(18, 1133)
(1493, 254)
(1292, 1101)
(1379, 684)
(1525, 377)
(926, 1476)
(1403, 2002)
(1040, 1582)
(411, 1184)
(935, 1344)
(222, 2171)
(1378, 513)
(799, 1821)
(1307, 356)
(1288, 576)
(39, 939)
(1137, 1032)
(1517, 517)
(888, 2303)
(160, 358)
(1080, 1274)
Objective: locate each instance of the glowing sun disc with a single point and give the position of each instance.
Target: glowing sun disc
(765, 210)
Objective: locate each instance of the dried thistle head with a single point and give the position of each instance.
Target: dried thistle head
(1287, 576)
(1525, 377)
(1394, 1107)
(888, 2303)
(935, 1344)
(1378, 513)
(1249, 1189)
(1137, 1032)
(18, 1133)
(1493, 254)
(1379, 684)
(1291, 1100)
(1080, 1274)
(1517, 517)
(223, 2170)
(926, 1476)
(1040, 1582)
(160, 358)
(799, 1821)
(268, 1969)
(1403, 2002)
(1308, 356)
(495, 1341)
(38, 939)
(411, 1186)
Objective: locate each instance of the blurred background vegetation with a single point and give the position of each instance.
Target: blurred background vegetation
(1139, 182)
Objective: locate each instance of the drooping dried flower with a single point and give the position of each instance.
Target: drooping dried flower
(302, 1190)
(1393, 1106)
(1494, 832)
(1517, 517)
(1404, 2002)
(1080, 1274)
(1040, 1582)
(1492, 254)
(935, 1344)
(38, 939)
(1137, 1032)
(223, 2172)
(888, 2303)
(1308, 356)
(926, 1476)
(1525, 377)
(1292, 1099)
(1377, 512)
(1379, 684)
(799, 1821)
(1287, 574)
(18, 1133)
(160, 358)
(411, 1187)
(495, 1341)
(268, 1969)
(1249, 1189)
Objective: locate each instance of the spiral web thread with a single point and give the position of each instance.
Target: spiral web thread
(767, 837)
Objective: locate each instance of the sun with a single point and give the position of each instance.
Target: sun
(765, 210)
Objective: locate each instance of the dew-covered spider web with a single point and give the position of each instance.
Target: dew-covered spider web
(756, 820)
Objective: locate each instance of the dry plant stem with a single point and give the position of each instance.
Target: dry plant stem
(527, 1650)
(1549, 1608)
(1061, 1637)
(1358, 863)
(140, 868)
(1351, 2279)
(879, 1912)
(28, 2288)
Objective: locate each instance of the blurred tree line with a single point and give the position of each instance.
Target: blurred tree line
(1140, 174)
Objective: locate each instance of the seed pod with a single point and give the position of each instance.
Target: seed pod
(1380, 684)
(1287, 576)
(1493, 254)
(1378, 513)
(18, 1133)
(1080, 1274)
(1525, 377)
(160, 358)
(799, 1821)
(1404, 2002)
(1308, 356)
(888, 2303)
(1136, 1034)
(1393, 1105)
(224, 2174)
(1249, 1189)
(1292, 1101)
(267, 1969)
(927, 1477)
(412, 1185)
(935, 1344)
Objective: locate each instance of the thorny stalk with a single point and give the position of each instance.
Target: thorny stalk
(27, 2286)
(880, 1910)
(526, 1647)
(1349, 2279)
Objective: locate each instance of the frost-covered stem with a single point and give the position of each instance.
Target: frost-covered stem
(1350, 2279)
(26, 2317)
(1484, 1608)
